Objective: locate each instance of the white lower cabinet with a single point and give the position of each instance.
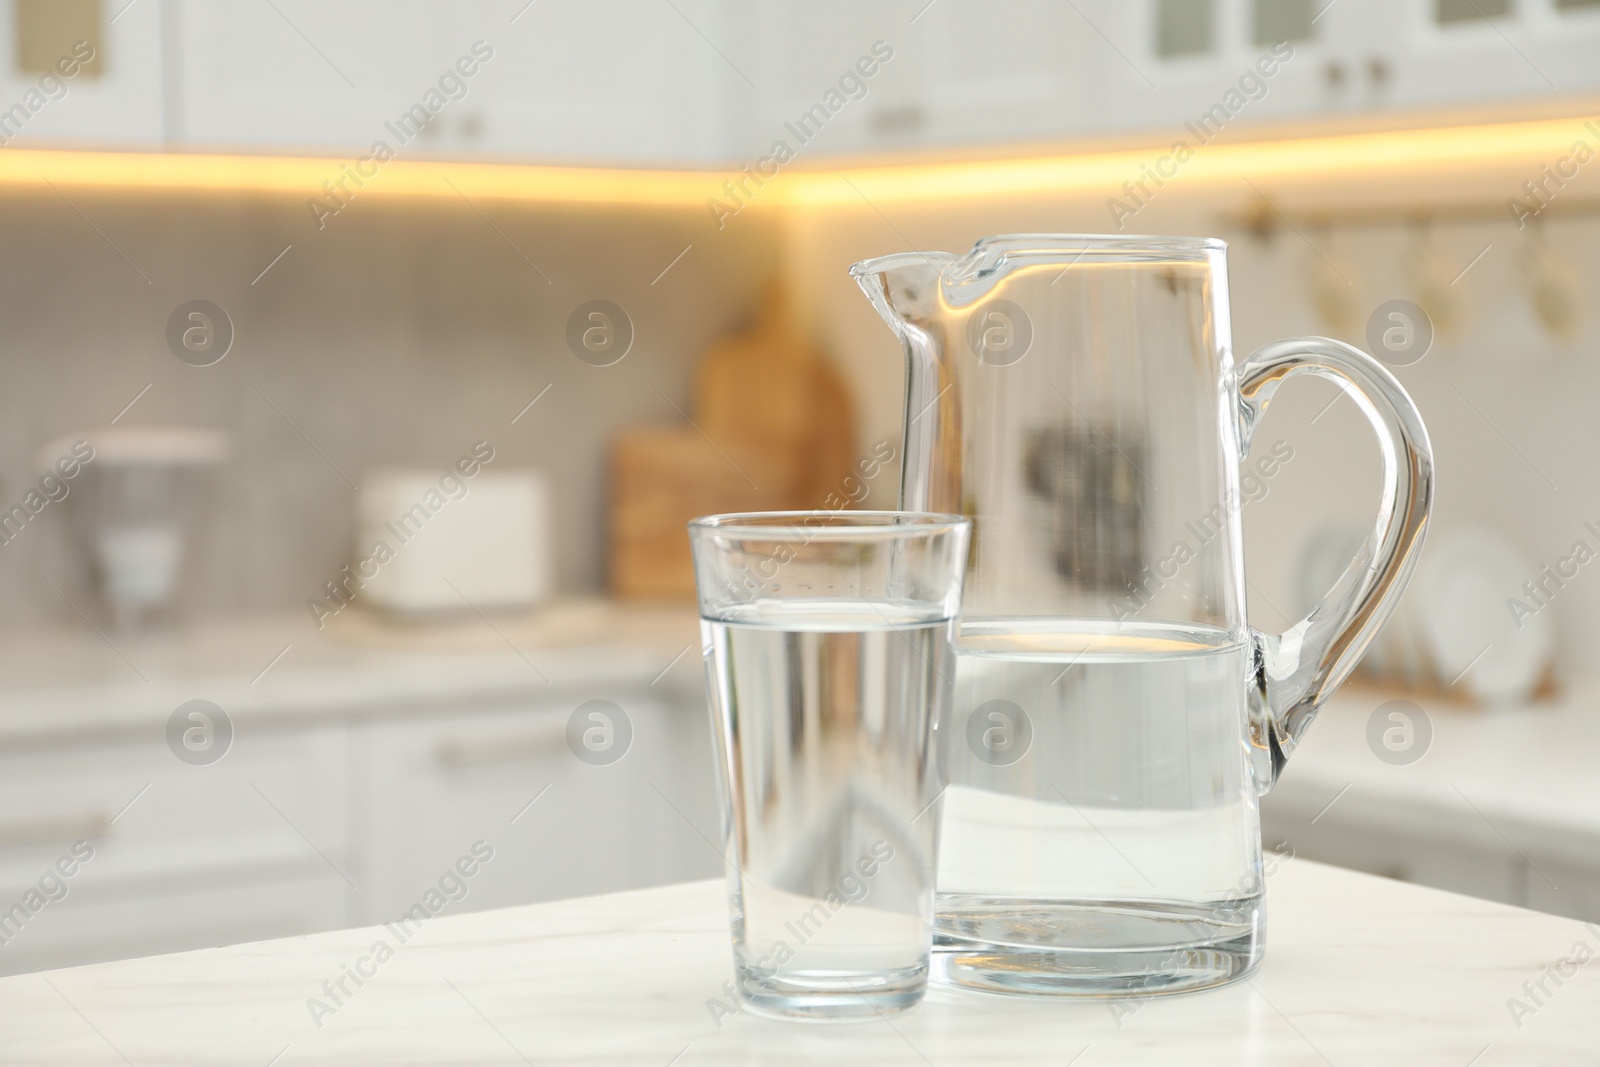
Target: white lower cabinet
(117, 848)
(1493, 869)
(486, 806)
(94, 924)
(1442, 865)
(1563, 890)
(498, 793)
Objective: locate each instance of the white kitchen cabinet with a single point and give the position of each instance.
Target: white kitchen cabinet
(1350, 57)
(711, 81)
(1191, 69)
(966, 72)
(323, 814)
(557, 826)
(600, 81)
(303, 827)
(297, 74)
(1492, 875)
(1518, 875)
(172, 855)
(1537, 48)
(995, 73)
(1129, 87)
(92, 926)
(504, 777)
(681, 820)
(356, 775)
(120, 105)
(819, 87)
(1200, 69)
(841, 78)
(1562, 889)
(1500, 803)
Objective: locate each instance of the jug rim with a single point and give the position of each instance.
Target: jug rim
(988, 252)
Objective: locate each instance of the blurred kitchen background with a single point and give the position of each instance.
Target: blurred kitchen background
(565, 274)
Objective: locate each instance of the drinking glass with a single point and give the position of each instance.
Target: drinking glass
(829, 647)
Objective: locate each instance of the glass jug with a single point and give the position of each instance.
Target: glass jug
(1115, 717)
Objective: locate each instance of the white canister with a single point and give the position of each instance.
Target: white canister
(431, 541)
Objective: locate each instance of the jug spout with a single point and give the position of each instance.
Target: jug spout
(904, 287)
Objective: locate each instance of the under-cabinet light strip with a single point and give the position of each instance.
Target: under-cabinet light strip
(1543, 141)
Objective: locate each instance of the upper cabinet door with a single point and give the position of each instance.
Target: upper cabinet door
(300, 74)
(1492, 51)
(80, 73)
(997, 73)
(820, 77)
(601, 80)
(1194, 68)
(643, 81)
(838, 77)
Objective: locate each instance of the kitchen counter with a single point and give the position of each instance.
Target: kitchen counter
(1528, 770)
(67, 682)
(1501, 803)
(1359, 970)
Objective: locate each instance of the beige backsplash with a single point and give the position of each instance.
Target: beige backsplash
(400, 333)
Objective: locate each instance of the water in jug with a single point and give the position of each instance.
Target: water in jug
(1116, 717)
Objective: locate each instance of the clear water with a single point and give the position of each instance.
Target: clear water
(825, 711)
(1100, 830)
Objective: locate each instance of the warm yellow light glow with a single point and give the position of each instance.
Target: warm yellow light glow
(301, 176)
(1102, 172)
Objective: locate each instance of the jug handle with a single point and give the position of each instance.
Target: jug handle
(1296, 671)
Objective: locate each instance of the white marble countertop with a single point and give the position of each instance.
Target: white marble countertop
(1495, 781)
(64, 683)
(1359, 970)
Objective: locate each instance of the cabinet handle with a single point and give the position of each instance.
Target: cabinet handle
(501, 748)
(61, 828)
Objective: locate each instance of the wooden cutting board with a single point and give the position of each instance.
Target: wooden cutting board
(772, 428)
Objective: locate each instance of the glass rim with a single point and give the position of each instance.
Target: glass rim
(833, 525)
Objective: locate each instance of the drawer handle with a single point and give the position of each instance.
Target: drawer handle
(504, 748)
(64, 828)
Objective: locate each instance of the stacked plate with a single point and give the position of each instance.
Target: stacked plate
(1459, 626)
